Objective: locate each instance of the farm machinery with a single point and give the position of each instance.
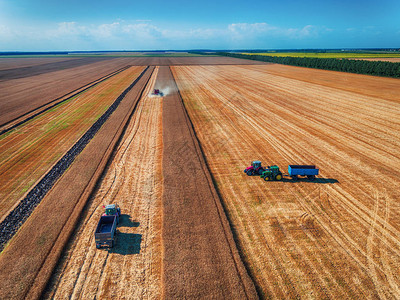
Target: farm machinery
(274, 173)
(107, 227)
(302, 170)
(112, 210)
(157, 92)
(255, 168)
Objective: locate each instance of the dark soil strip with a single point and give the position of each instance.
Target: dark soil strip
(19, 214)
(22, 72)
(201, 259)
(40, 241)
(42, 108)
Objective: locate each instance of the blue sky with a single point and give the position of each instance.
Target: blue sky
(44, 25)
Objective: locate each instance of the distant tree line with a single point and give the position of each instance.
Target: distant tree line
(376, 68)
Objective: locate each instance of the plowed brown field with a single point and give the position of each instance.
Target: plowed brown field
(7, 63)
(337, 237)
(133, 180)
(21, 95)
(50, 135)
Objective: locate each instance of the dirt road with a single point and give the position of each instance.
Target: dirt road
(337, 237)
(200, 256)
(132, 269)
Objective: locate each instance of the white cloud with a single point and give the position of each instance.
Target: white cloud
(145, 35)
(308, 31)
(250, 28)
(5, 31)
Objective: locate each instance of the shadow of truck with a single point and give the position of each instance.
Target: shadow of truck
(127, 243)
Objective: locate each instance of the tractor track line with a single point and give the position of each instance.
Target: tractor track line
(222, 212)
(45, 107)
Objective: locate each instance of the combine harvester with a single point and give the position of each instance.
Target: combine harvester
(107, 227)
(273, 173)
(158, 93)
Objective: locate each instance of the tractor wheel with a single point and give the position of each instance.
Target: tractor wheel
(97, 246)
(249, 173)
(266, 178)
(311, 177)
(260, 171)
(278, 177)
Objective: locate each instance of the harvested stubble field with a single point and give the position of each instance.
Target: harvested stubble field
(27, 152)
(337, 237)
(41, 239)
(133, 181)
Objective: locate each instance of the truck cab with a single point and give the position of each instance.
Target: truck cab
(112, 210)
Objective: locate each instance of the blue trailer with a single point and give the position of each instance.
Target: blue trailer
(303, 170)
(105, 231)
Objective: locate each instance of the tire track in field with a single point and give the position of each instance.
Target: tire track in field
(370, 250)
(354, 204)
(389, 272)
(276, 142)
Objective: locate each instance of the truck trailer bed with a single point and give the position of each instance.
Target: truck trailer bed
(105, 228)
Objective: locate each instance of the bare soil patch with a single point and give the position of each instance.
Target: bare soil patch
(20, 62)
(19, 96)
(27, 71)
(194, 60)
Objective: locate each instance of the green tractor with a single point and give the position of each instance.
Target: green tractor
(272, 173)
